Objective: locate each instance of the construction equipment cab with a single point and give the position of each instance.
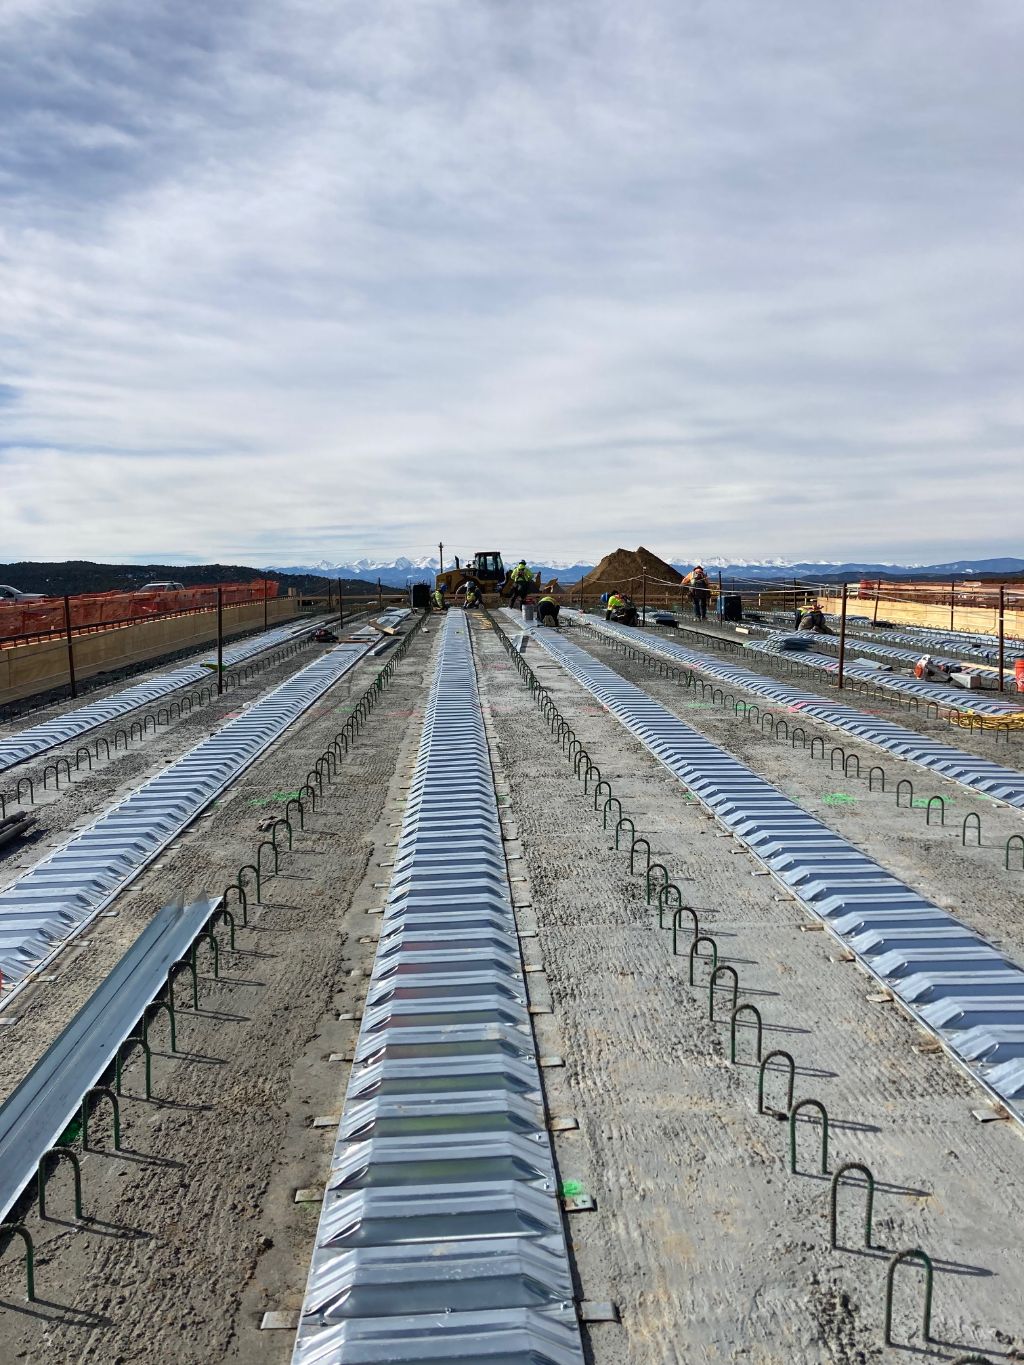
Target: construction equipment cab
(485, 568)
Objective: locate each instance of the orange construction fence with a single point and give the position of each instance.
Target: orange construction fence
(100, 610)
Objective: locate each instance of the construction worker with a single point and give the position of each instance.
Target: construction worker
(700, 589)
(813, 618)
(437, 598)
(521, 580)
(547, 612)
(620, 608)
(473, 598)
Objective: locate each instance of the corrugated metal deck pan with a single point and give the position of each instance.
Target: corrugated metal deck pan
(983, 703)
(49, 734)
(891, 928)
(968, 770)
(440, 1238)
(54, 899)
(33, 1117)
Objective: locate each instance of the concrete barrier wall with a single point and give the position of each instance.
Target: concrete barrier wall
(28, 669)
(982, 620)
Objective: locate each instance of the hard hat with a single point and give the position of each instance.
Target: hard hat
(442, 587)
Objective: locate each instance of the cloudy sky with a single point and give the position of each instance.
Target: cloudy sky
(283, 280)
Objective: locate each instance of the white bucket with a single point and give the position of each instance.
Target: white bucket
(529, 611)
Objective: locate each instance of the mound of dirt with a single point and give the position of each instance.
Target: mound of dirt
(627, 568)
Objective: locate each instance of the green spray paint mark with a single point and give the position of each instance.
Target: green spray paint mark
(922, 801)
(277, 796)
(572, 1189)
(71, 1133)
(840, 799)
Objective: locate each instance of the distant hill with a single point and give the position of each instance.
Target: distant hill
(82, 575)
(398, 573)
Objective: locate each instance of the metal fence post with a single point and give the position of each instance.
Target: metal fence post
(842, 635)
(71, 645)
(220, 640)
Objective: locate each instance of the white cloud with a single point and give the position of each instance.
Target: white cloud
(286, 280)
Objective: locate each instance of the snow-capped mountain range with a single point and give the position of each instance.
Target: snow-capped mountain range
(398, 573)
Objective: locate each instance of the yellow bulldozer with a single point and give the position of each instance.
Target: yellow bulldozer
(486, 567)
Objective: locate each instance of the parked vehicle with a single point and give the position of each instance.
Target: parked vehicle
(9, 594)
(162, 587)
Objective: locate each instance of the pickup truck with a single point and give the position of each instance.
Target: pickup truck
(9, 594)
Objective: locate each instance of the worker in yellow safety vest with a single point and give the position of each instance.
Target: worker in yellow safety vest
(522, 583)
(437, 599)
(472, 594)
(621, 609)
(547, 611)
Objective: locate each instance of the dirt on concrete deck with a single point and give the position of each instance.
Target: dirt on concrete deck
(193, 1229)
(711, 1249)
(968, 879)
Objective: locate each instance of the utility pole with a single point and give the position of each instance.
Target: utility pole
(952, 600)
(842, 635)
(379, 601)
(878, 589)
(644, 591)
(440, 557)
(220, 640)
(341, 607)
(1002, 634)
(721, 600)
(266, 596)
(71, 645)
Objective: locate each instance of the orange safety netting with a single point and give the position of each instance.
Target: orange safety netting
(104, 609)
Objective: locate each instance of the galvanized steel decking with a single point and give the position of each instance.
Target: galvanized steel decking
(954, 982)
(33, 1117)
(981, 703)
(15, 749)
(440, 1237)
(53, 900)
(968, 770)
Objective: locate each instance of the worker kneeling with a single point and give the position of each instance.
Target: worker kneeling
(620, 609)
(547, 612)
(473, 598)
(437, 599)
(813, 618)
